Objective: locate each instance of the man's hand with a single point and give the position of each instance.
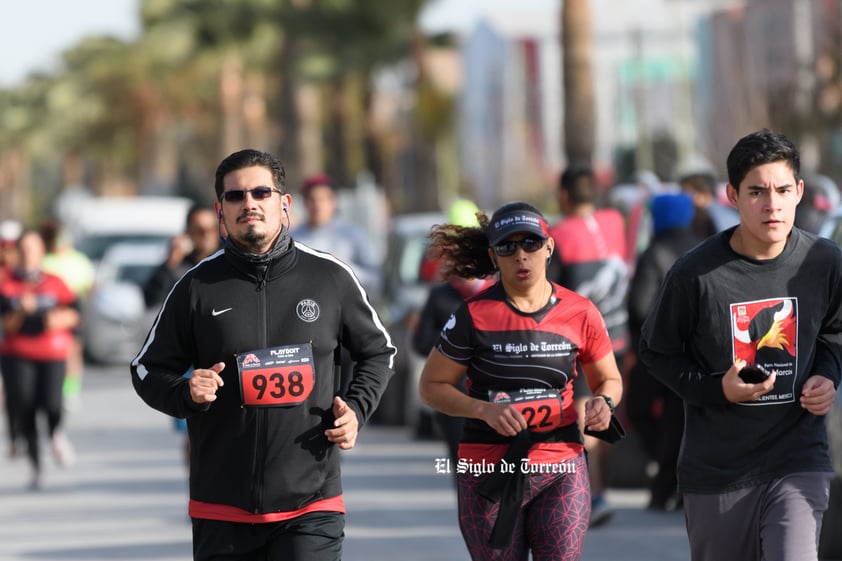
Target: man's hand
(346, 425)
(28, 303)
(180, 247)
(737, 391)
(817, 395)
(204, 382)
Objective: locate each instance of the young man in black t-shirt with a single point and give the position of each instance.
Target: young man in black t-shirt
(754, 469)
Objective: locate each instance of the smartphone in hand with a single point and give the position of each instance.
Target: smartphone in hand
(754, 374)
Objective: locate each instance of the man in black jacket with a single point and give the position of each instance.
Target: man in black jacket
(656, 412)
(261, 323)
(199, 240)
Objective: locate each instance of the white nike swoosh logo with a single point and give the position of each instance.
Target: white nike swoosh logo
(215, 313)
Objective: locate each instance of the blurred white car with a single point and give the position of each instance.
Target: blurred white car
(96, 223)
(407, 282)
(115, 319)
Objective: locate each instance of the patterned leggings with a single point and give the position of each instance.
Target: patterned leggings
(552, 521)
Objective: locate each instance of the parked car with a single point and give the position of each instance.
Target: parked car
(408, 277)
(115, 319)
(97, 223)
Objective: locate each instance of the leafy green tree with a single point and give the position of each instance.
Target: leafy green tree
(204, 78)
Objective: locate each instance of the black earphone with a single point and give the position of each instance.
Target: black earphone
(286, 208)
(221, 237)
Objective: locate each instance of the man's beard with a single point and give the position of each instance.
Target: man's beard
(252, 241)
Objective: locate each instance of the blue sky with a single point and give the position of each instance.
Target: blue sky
(33, 33)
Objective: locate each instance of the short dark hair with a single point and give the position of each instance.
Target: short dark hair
(699, 182)
(578, 181)
(249, 158)
(195, 209)
(758, 148)
(50, 231)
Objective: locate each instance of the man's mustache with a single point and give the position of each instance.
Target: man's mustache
(250, 215)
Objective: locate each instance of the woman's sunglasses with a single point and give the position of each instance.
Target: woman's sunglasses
(258, 194)
(529, 245)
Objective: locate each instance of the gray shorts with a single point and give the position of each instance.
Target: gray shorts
(777, 521)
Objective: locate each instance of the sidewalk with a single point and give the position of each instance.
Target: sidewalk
(125, 499)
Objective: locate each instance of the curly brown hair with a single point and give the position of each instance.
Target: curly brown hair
(463, 250)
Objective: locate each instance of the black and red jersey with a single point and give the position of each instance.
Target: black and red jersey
(505, 349)
(592, 258)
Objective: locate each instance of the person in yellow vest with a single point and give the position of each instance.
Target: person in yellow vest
(77, 272)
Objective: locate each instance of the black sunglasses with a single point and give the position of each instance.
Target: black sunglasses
(529, 245)
(258, 194)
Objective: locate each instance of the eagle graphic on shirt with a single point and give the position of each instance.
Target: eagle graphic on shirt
(769, 324)
(765, 333)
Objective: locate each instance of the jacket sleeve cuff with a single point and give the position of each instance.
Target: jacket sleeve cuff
(192, 405)
(361, 420)
(708, 392)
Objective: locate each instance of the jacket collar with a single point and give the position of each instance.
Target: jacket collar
(260, 266)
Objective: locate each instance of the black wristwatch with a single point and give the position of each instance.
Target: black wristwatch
(608, 400)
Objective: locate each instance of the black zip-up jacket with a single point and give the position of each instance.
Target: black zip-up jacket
(263, 459)
(651, 270)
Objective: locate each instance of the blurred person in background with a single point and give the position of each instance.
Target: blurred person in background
(201, 238)
(590, 250)
(813, 208)
(711, 215)
(654, 410)
(325, 230)
(519, 404)
(39, 313)
(442, 301)
(77, 272)
(10, 231)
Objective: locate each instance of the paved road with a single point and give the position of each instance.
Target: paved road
(125, 499)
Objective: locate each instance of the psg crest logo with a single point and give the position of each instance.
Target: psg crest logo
(307, 310)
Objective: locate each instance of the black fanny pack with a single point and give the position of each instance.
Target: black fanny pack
(507, 488)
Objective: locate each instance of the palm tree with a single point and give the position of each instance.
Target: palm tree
(579, 126)
(206, 77)
(339, 47)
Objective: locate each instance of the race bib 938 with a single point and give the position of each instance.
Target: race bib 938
(277, 376)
